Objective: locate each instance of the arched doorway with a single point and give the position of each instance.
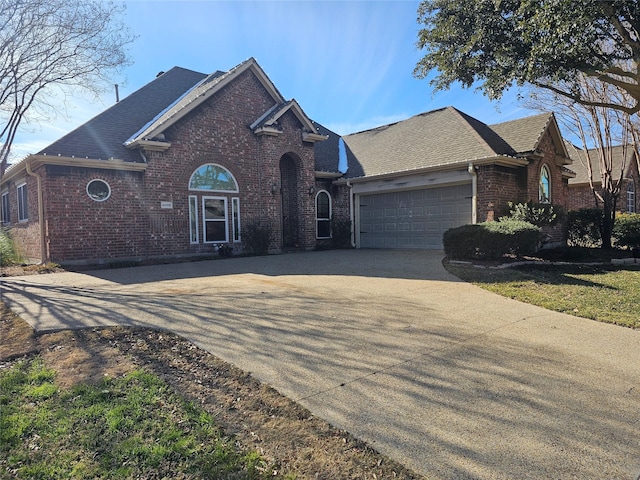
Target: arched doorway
(289, 192)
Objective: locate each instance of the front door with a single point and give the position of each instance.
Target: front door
(289, 192)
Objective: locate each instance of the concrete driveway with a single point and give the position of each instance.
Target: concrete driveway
(450, 380)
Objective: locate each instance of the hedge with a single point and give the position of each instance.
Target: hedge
(492, 240)
(626, 230)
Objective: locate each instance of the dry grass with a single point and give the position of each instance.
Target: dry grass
(259, 417)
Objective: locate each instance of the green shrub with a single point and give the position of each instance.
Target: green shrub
(538, 214)
(257, 237)
(626, 230)
(8, 252)
(583, 227)
(492, 240)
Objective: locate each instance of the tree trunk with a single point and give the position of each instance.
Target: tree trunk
(608, 218)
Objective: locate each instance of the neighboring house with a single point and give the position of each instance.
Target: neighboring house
(187, 162)
(413, 180)
(625, 165)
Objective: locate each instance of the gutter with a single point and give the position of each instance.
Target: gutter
(43, 247)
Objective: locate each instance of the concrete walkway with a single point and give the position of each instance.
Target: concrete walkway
(450, 380)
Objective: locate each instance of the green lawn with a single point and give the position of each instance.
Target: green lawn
(604, 293)
(122, 428)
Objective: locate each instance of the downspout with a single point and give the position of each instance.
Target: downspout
(474, 193)
(352, 215)
(43, 246)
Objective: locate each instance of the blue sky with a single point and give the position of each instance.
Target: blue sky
(348, 64)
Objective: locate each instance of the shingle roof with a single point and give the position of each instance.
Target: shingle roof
(435, 138)
(523, 134)
(580, 163)
(327, 152)
(103, 136)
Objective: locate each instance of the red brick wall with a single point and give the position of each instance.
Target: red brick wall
(499, 185)
(80, 228)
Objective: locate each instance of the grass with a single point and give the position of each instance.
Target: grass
(120, 428)
(604, 293)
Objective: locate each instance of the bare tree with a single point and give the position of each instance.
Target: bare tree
(606, 136)
(46, 44)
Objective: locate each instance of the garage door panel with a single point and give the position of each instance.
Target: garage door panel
(413, 219)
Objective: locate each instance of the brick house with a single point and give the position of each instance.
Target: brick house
(176, 169)
(188, 161)
(625, 165)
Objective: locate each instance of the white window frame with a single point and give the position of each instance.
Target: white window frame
(194, 225)
(235, 219)
(215, 165)
(323, 219)
(6, 209)
(204, 220)
(98, 199)
(544, 168)
(23, 203)
(631, 197)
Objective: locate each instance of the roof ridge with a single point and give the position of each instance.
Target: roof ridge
(387, 125)
(483, 140)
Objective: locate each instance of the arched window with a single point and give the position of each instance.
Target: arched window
(214, 178)
(211, 216)
(631, 197)
(323, 215)
(544, 193)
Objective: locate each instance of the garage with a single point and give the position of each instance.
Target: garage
(412, 218)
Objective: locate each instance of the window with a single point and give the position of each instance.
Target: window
(323, 215)
(631, 197)
(193, 219)
(213, 177)
(98, 190)
(218, 222)
(6, 212)
(235, 215)
(214, 219)
(23, 210)
(544, 194)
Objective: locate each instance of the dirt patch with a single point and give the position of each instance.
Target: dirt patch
(257, 415)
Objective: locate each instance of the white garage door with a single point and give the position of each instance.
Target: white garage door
(414, 218)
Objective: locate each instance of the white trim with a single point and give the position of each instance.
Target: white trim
(193, 206)
(235, 203)
(412, 182)
(98, 199)
(6, 212)
(237, 189)
(544, 167)
(25, 208)
(323, 219)
(204, 221)
(631, 197)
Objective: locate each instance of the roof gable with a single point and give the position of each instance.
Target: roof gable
(103, 136)
(524, 134)
(621, 157)
(267, 124)
(196, 96)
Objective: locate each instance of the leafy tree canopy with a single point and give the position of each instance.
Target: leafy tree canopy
(542, 42)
